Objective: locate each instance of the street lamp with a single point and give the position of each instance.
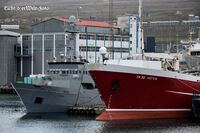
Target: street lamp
(77, 12)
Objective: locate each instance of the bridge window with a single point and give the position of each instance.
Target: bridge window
(195, 53)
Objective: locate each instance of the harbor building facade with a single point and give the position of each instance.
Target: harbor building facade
(48, 41)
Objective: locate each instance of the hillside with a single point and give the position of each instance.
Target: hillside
(153, 9)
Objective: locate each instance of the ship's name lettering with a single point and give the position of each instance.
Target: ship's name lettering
(146, 77)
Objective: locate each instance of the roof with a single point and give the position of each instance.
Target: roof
(8, 33)
(91, 23)
(46, 21)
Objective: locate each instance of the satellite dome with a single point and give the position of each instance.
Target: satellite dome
(72, 19)
(102, 50)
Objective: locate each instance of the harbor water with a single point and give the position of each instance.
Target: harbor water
(13, 119)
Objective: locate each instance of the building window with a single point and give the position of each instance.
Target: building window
(48, 49)
(60, 37)
(118, 38)
(82, 36)
(26, 38)
(48, 37)
(18, 49)
(25, 50)
(100, 37)
(125, 39)
(106, 37)
(91, 37)
(37, 38)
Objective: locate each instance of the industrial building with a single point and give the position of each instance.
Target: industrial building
(8, 40)
(48, 41)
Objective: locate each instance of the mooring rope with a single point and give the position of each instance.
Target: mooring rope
(80, 85)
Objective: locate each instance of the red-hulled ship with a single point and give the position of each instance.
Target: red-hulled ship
(152, 87)
(132, 92)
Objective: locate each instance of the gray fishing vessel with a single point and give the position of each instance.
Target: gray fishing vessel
(67, 83)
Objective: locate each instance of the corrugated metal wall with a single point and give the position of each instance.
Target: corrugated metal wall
(7, 59)
(37, 52)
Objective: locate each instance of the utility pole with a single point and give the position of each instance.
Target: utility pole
(78, 13)
(177, 43)
(111, 28)
(110, 11)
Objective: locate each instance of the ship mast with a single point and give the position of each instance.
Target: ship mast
(140, 30)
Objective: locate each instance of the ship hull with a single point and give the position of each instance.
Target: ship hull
(140, 115)
(51, 99)
(138, 93)
(43, 99)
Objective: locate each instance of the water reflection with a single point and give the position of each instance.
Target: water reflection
(159, 125)
(14, 119)
(55, 116)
